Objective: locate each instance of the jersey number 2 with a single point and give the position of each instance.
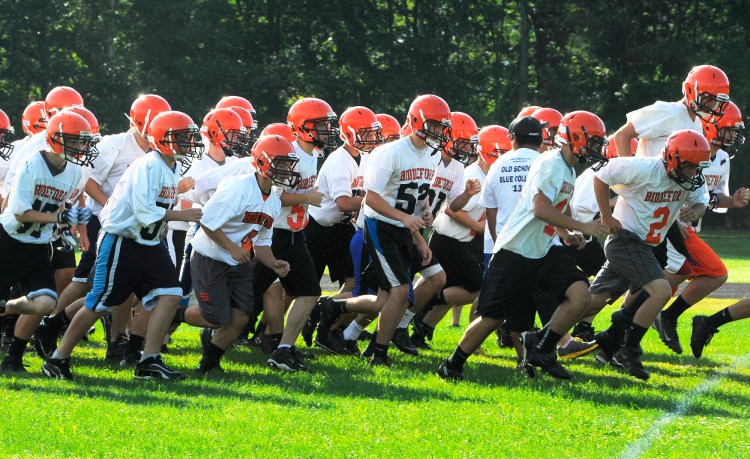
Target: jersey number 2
(663, 213)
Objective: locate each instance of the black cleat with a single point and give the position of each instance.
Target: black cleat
(526, 369)
(206, 335)
(401, 339)
(419, 341)
(608, 346)
(547, 361)
(629, 358)
(352, 347)
(155, 368)
(328, 315)
(504, 339)
(364, 336)
(702, 335)
(45, 340)
(206, 366)
(583, 331)
(370, 349)
(422, 332)
(130, 358)
(380, 361)
(446, 373)
(117, 349)
(667, 329)
(311, 324)
(332, 343)
(12, 365)
(265, 343)
(284, 358)
(57, 368)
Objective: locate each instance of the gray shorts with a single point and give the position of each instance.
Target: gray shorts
(220, 287)
(630, 265)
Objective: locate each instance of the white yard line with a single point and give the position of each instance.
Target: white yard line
(640, 446)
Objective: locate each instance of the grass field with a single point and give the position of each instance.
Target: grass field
(689, 408)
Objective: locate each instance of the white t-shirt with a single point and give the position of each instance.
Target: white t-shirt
(449, 227)
(401, 174)
(339, 176)
(38, 189)
(525, 234)
(649, 200)
(207, 182)
(116, 153)
(33, 144)
(5, 163)
(447, 184)
(656, 122)
(242, 212)
(141, 199)
(583, 205)
(295, 218)
(360, 223)
(503, 186)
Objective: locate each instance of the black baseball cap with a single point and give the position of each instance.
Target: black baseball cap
(526, 126)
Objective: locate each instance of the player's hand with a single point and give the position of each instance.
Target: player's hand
(427, 217)
(600, 230)
(185, 184)
(68, 217)
(688, 214)
(192, 215)
(83, 241)
(473, 186)
(426, 253)
(612, 223)
(412, 223)
(741, 197)
(241, 255)
(574, 240)
(314, 197)
(281, 268)
(84, 215)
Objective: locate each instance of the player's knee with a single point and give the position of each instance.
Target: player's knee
(578, 294)
(659, 290)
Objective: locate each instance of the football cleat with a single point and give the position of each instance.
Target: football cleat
(12, 365)
(155, 368)
(702, 335)
(629, 358)
(547, 361)
(576, 348)
(401, 339)
(283, 358)
(57, 369)
(667, 329)
(446, 373)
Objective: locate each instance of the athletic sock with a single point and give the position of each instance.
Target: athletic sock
(381, 350)
(353, 331)
(437, 300)
(717, 320)
(457, 360)
(214, 353)
(634, 335)
(283, 346)
(276, 340)
(145, 356)
(408, 315)
(58, 321)
(339, 306)
(17, 348)
(547, 340)
(630, 310)
(57, 355)
(675, 310)
(179, 316)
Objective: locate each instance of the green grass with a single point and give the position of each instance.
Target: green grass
(345, 409)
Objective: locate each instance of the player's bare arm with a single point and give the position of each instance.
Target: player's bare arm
(622, 139)
(545, 211)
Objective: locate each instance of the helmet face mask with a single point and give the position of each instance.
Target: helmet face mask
(77, 149)
(595, 151)
(685, 155)
(687, 181)
(6, 136)
(322, 132)
(366, 139)
(283, 171)
(465, 150)
(731, 138)
(185, 145)
(709, 107)
(235, 142)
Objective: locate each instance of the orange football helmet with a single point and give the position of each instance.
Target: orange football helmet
(686, 148)
(550, 119)
(313, 121)
(276, 159)
(464, 138)
(706, 89)
(528, 111)
(61, 97)
(249, 122)
(430, 120)
(69, 135)
(360, 129)
(729, 132)
(6, 136)
(236, 101)
(144, 109)
(278, 129)
(391, 130)
(494, 142)
(174, 133)
(223, 128)
(612, 147)
(585, 134)
(34, 118)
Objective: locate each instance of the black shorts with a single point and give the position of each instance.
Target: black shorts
(590, 259)
(124, 266)
(390, 248)
(220, 287)
(178, 245)
(458, 259)
(62, 256)
(512, 278)
(416, 266)
(539, 302)
(88, 258)
(25, 265)
(301, 281)
(329, 246)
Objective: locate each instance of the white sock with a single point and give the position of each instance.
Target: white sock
(282, 346)
(144, 356)
(353, 331)
(570, 339)
(408, 315)
(56, 355)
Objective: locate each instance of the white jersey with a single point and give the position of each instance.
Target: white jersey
(447, 184)
(401, 174)
(525, 234)
(5, 163)
(503, 186)
(583, 205)
(244, 214)
(116, 153)
(295, 218)
(339, 176)
(207, 182)
(141, 199)
(360, 223)
(33, 144)
(656, 122)
(449, 227)
(38, 188)
(649, 200)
